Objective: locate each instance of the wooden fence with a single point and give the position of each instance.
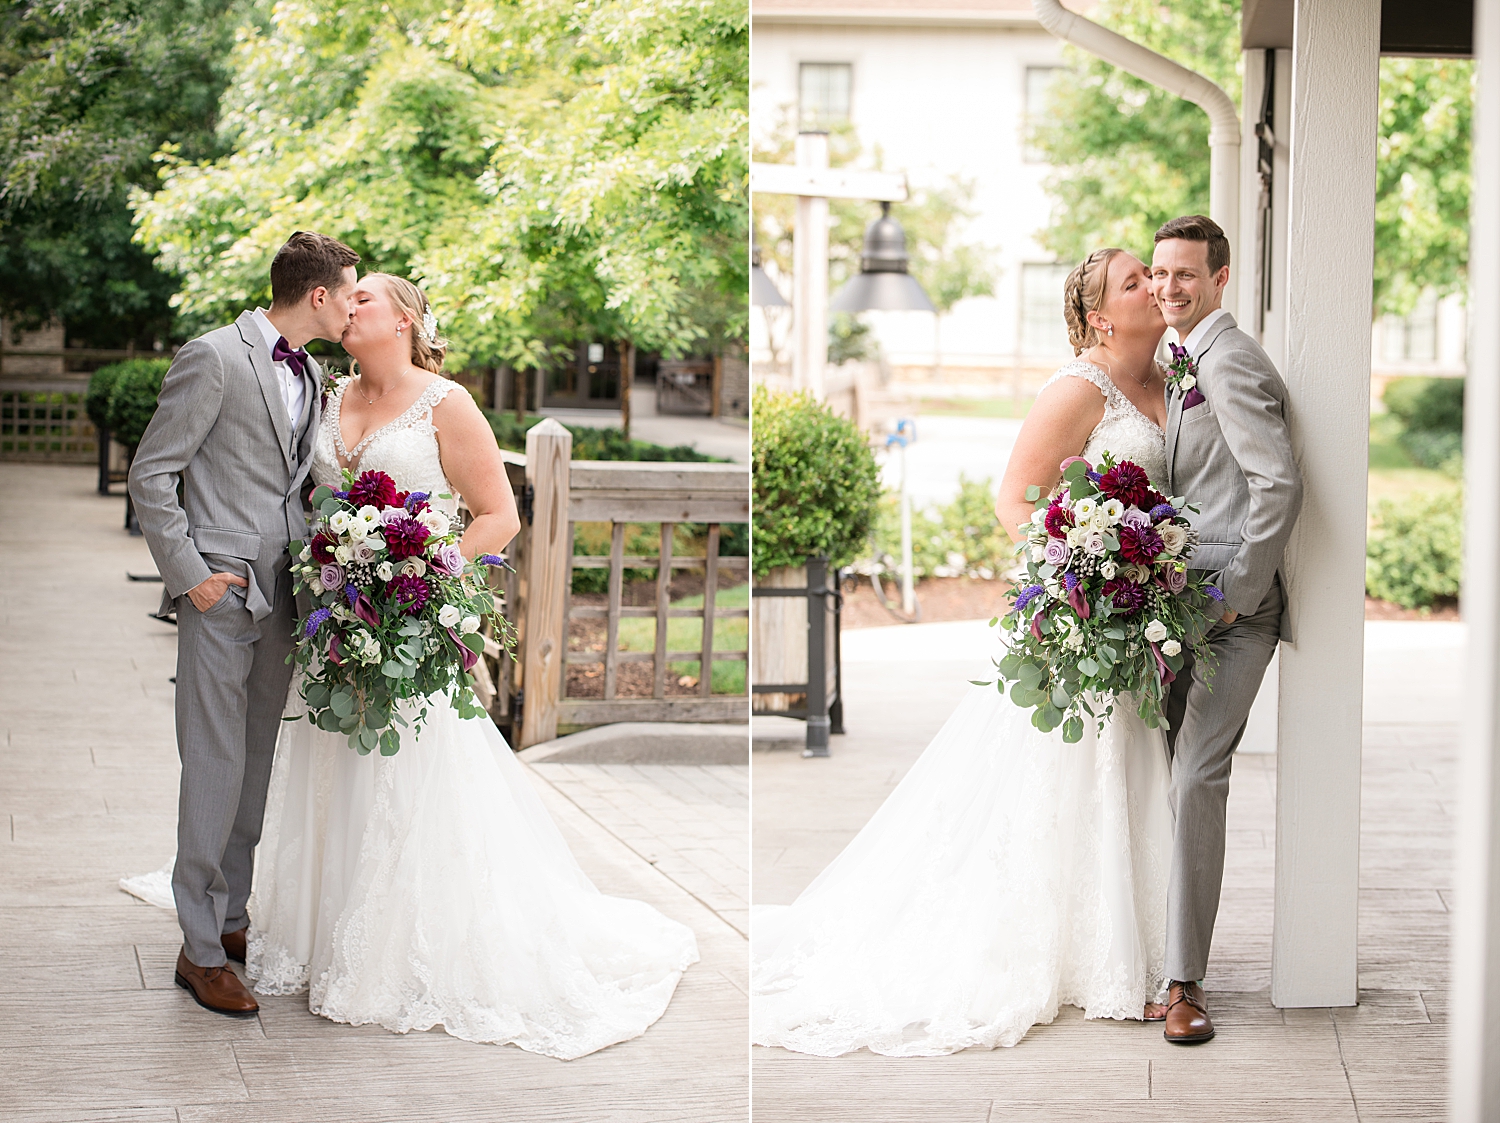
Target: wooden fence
(42, 416)
(555, 495)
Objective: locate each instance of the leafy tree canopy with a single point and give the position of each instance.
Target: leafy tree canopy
(547, 170)
(89, 89)
(1129, 156)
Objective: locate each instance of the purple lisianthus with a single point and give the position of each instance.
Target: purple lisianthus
(316, 621)
(1134, 516)
(409, 592)
(1027, 595)
(332, 576)
(1163, 511)
(448, 559)
(1057, 552)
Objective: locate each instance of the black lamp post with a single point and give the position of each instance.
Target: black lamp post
(883, 284)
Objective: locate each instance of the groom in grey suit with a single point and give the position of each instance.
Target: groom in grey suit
(235, 422)
(1228, 450)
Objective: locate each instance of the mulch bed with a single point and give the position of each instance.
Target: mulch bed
(961, 598)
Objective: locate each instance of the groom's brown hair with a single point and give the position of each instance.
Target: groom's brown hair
(1199, 228)
(308, 261)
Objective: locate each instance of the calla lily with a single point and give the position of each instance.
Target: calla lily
(469, 657)
(334, 656)
(1166, 672)
(1078, 601)
(364, 608)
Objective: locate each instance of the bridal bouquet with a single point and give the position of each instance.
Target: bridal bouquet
(1107, 605)
(396, 611)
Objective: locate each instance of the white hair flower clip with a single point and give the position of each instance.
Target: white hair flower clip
(429, 325)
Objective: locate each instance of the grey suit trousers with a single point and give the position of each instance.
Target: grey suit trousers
(232, 681)
(1208, 709)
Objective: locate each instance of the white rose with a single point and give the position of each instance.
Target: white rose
(339, 521)
(1085, 509)
(1099, 523)
(385, 571)
(1113, 510)
(1094, 544)
(1156, 631)
(357, 531)
(468, 626)
(1188, 382)
(315, 586)
(413, 567)
(342, 554)
(1076, 535)
(1109, 569)
(448, 616)
(1173, 537)
(1171, 647)
(306, 554)
(1039, 554)
(435, 521)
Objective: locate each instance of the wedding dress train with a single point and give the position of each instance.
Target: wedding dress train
(431, 887)
(1007, 874)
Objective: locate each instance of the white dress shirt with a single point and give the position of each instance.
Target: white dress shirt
(1195, 337)
(293, 386)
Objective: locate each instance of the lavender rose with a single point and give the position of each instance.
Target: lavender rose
(1174, 579)
(332, 576)
(448, 559)
(1136, 517)
(1057, 552)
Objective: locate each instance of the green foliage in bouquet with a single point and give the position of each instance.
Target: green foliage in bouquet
(1431, 414)
(1108, 606)
(816, 483)
(132, 399)
(1414, 556)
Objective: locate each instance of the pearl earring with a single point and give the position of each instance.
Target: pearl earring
(398, 330)
(1111, 332)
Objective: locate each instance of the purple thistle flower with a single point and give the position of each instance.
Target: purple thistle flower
(1213, 591)
(316, 621)
(351, 593)
(1070, 580)
(1163, 511)
(1027, 595)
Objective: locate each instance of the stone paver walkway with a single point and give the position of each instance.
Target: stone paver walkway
(92, 1027)
(1381, 1060)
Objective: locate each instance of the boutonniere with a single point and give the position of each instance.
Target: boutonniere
(1182, 377)
(333, 379)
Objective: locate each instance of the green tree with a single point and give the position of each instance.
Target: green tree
(1129, 156)
(548, 171)
(88, 91)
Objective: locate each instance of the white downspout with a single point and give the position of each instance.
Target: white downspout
(1224, 120)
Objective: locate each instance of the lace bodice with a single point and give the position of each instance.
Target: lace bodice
(405, 448)
(1124, 430)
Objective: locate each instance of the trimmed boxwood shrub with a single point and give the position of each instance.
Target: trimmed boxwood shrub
(132, 401)
(814, 481)
(96, 398)
(1414, 556)
(1431, 413)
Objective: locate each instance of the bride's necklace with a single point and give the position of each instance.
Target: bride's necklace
(1094, 358)
(371, 401)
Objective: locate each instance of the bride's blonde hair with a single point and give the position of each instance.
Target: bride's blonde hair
(1083, 292)
(412, 301)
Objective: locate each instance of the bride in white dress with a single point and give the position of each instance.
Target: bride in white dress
(1009, 872)
(431, 887)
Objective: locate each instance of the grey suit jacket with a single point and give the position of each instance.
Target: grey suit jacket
(222, 426)
(1232, 455)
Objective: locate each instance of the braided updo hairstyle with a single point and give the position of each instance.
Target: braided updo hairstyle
(412, 301)
(1083, 292)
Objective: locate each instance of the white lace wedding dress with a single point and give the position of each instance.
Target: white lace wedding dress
(1007, 874)
(431, 887)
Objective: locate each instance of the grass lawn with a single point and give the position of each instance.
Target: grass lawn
(974, 407)
(731, 634)
(1393, 475)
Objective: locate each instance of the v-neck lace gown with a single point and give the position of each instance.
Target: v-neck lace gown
(431, 887)
(1007, 874)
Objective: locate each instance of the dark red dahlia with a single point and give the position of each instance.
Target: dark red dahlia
(1126, 482)
(1059, 519)
(1129, 597)
(410, 593)
(1139, 544)
(1154, 499)
(405, 538)
(373, 489)
(322, 548)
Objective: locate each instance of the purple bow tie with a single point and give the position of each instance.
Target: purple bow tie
(281, 353)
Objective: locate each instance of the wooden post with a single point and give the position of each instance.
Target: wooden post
(663, 604)
(612, 625)
(1335, 101)
(549, 447)
(716, 391)
(1474, 1035)
(710, 592)
(627, 379)
(518, 388)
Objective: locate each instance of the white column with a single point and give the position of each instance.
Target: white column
(1335, 82)
(810, 273)
(1475, 1041)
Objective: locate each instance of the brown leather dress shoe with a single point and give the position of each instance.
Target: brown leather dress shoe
(215, 988)
(1188, 1022)
(234, 944)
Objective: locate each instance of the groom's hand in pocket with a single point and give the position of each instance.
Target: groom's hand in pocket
(208, 593)
(1229, 617)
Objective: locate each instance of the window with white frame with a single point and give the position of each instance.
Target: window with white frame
(1412, 338)
(823, 94)
(1043, 329)
(1038, 94)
